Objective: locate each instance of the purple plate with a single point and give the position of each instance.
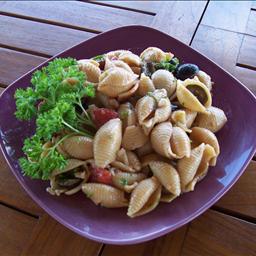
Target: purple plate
(237, 142)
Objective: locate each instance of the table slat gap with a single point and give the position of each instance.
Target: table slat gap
(16, 229)
(199, 22)
(75, 13)
(234, 214)
(246, 66)
(22, 62)
(27, 51)
(146, 6)
(38, 37)
(50, 22)
(19, 210)
(113, 5)
(214, 233)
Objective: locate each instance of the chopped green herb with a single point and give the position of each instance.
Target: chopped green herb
(124, 114)
(99, 58)
(89, 194)
(123, 181)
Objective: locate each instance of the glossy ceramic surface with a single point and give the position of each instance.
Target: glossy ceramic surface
(237, 141)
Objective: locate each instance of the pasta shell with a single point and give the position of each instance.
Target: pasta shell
(131, 59)
(124, 180)
(141, 195)
(167, 197)
(115, 81)
(71, 184)
(145, 149)
(105, 195)
(126, 95)
(151, 204)
(204, 78)
(74, 190)
(116, 53)
(170, 142)
(213, 120)
(71, 164)
(154, 54)
(133, 160)
(167, 175)
(91, 69)
(80, 147)
(116, 63)
(153, 109)
(103, 100)
(209, 153)
(136, 70)
(123, 167)
(127, 114)
(147, 159)
(60, 148)
(145, 85)
(127, 161)
(202, 135)
(194, 95)
(183, 118)
(160, 139)
(188, 166)
(122, 156)
(107, 142)
(163, 79)
(180, 143)
(134, 137)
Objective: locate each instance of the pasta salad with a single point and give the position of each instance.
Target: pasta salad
(127, 130)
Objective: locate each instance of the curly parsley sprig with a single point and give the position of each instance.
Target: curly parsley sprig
(53, 97)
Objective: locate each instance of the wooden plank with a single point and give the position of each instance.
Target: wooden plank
(247, 51)
(170, 244)
(228, 15)
(80, 14)
(12, 193)
(21, 63)
(217, 234)
(51, 238)
(251, 24)
(179, 19)
(247, 77)
(38, 37)
(223, 46)
(242, 196)
(145, 6)
(15, 230)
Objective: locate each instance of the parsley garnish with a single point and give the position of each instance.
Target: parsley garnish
(56, 92)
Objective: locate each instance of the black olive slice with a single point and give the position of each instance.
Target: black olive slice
(199, 92)
(186, 70)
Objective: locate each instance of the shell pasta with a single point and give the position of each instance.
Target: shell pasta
(126, 130)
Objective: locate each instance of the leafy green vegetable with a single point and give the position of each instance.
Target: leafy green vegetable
(25, 102)
(41, 160)
(56, 92)
(170, 65)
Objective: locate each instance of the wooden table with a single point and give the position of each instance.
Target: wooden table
(31, 32)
